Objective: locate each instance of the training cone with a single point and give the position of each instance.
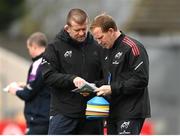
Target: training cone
(97, 107)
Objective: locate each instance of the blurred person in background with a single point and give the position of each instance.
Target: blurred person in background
(69, 60)
(35, 93)
(127, 63)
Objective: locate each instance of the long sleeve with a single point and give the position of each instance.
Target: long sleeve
(52, 70)
(32, 88)
(136, 78)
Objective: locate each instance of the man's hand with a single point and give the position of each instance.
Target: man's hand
(78, 82)
(12, 90)
(103, 90)
(13, 87)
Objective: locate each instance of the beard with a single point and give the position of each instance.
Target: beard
(81, 39)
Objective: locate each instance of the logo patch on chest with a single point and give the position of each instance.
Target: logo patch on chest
(117, 58)
(68, 54)
(118, 55)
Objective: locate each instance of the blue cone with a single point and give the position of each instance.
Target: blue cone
(98, 101)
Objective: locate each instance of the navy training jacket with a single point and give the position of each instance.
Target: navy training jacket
(36, 96)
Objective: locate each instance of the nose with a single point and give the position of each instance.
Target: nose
(81, 32)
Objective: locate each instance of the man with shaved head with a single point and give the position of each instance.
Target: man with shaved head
(72, 58)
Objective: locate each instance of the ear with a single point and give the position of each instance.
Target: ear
(66, 27)
(111, 30)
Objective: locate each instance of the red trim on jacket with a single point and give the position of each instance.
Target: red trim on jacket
(132, 44)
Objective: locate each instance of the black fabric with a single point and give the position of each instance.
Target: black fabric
(91, 127)
(65, 59)
(62, 125)
(38, 130)
(128, 64)
(125, 127)
(37, 98)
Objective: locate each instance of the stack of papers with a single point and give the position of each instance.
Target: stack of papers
(86, 88)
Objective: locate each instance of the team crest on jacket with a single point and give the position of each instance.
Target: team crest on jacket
(125, 124)
(117, 58)
(68, 54)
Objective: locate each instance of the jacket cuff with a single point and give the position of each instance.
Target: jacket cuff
(72, 78)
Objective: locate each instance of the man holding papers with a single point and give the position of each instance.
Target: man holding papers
(72, 58)
(127, 61)
(34, 93)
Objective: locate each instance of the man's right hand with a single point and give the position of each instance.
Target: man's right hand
(12, 90)
(78, 82)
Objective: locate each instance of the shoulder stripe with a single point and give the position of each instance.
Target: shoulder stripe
(133, 46)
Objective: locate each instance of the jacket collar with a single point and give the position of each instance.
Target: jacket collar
(118, 41)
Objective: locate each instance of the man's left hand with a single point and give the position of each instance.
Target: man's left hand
(103, 90)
